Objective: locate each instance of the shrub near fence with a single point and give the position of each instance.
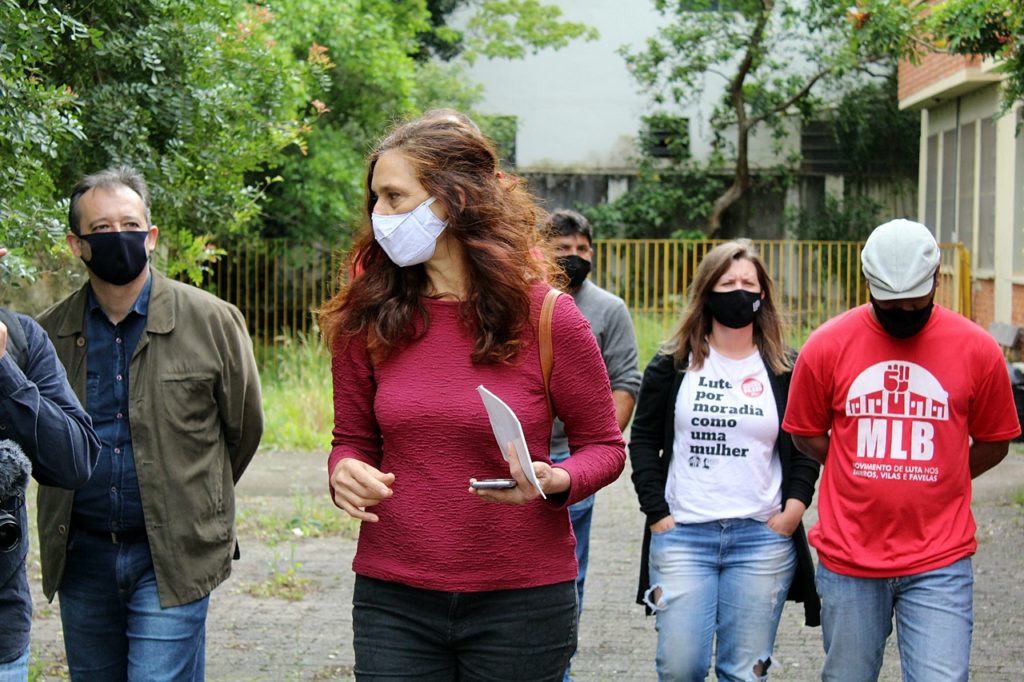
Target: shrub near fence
(278, 284)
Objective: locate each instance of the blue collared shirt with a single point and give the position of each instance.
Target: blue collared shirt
(111, 501)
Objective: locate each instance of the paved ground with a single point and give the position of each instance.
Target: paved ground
(271, 639)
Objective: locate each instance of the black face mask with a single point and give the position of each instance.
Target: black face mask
(117, 257)
(902, 324)
(735, 309)
(576, 269)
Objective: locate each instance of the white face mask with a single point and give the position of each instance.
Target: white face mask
(409, 238)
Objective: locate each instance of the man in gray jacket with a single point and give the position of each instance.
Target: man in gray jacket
(572, 239)
(167, 373)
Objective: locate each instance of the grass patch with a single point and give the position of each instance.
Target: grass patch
(652, 329)
(297, 395)
(40, 670)
(308, 518)
(283, 581)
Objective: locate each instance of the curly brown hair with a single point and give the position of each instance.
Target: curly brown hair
(492, 216)
(691, 335)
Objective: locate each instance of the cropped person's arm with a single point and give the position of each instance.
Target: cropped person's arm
(985, 455)
(582, 398)
(621, 357)
(646, 441)
(815, 447)
(355, 479)
(40, 412)
(624, 404)
(993, 420)
(240, 398)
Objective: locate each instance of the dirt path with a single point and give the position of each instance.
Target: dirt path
(271, 639)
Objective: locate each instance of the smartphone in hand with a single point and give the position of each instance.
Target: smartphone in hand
(493, 483)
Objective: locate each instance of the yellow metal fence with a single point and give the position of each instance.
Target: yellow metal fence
(277, 284)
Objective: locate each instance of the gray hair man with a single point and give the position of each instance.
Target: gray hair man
(168, 376)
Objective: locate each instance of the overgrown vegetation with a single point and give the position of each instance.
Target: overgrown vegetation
(197, 95)
(993, 28)
(283, 580)
(851, 219)
(246, 118)
(297, 395)
(662, 201)
(875, 139)
(769, 59)
(310, 517)
(672, 195)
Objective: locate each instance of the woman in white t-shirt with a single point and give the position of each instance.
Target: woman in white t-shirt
(721, 485)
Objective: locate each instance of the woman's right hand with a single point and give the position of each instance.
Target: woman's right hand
(663, 525)
(356, 485)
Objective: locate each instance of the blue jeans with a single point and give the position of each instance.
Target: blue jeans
(406, 633)
(16, 670)
(114, 628)
(723, 578)
(580, 514)
(934, 620)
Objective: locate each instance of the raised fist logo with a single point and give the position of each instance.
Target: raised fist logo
(896, 378)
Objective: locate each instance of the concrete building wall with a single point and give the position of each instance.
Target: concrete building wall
(971, 184)
(579, 109)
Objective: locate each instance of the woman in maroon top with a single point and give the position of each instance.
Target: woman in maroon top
(454, 583)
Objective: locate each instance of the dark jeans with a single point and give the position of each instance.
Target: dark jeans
(405, 633)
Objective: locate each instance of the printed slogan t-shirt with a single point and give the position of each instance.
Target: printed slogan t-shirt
(725, 466)
(895, 496)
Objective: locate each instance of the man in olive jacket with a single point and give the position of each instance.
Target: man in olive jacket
(167, 373)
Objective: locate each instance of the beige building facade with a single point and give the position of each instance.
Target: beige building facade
(971, 175)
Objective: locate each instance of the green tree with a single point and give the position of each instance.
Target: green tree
(216, 101)
(662, 202)
(37, 118)
(373, 81)
(992, 28)
(508, 29)
(391, 60)
(910, 29)
(196, 95)
(773, 57)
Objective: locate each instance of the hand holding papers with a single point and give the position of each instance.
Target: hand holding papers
(507, 428)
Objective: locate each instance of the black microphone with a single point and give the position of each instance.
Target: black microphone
(15, 468)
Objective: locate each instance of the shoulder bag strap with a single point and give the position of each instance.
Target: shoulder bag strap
(547, 359)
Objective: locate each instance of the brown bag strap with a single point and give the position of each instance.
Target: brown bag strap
(547, 358)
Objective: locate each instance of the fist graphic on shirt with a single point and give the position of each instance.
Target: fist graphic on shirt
(897, 378)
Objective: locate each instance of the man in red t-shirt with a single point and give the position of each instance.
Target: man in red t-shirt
(904, 402)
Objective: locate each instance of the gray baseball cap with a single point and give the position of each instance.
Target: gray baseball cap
(899, 260)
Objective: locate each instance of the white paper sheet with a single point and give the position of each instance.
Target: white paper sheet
(506, 427)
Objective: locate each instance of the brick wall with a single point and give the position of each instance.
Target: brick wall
(983, 310)
(1017, 316)
(931, 69)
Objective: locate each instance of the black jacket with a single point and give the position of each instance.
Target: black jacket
(650, 452)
